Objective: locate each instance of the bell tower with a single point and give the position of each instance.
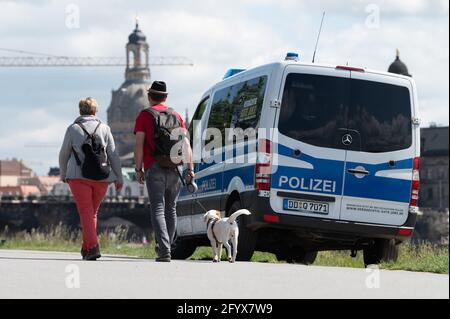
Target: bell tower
(137, 51)
(131, 97)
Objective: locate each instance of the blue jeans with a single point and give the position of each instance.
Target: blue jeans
(163, 187)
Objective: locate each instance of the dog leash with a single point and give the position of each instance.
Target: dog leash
(191, 190)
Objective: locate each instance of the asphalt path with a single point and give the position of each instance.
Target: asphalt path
(27, 274)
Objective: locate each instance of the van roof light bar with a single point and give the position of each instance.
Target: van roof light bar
(232, 72)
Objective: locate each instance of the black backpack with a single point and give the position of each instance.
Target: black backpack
(96, 165)
(166, 122)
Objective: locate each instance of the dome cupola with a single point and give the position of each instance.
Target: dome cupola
(137, 37)
(398, 67)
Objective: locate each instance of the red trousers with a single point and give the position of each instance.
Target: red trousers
(88, 196)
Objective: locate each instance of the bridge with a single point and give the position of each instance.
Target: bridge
(44, 213)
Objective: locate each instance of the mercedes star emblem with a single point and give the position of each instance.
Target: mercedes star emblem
(347, 140)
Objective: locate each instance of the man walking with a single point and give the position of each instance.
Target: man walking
(161, 147)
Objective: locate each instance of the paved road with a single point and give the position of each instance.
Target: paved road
(55, 275)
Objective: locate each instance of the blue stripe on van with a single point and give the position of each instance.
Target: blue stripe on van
(246, 174)
(371, 186)
(228, 155)
(301, 179)
(324, 170)
(382, 188)
(389, 189)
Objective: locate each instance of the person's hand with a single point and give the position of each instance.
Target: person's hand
(140, 177)
(119, 186)
(190, 176)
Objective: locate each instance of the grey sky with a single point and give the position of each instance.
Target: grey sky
(37, 104)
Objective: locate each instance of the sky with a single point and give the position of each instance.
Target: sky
(37, 104)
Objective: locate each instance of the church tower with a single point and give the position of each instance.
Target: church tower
(137, 56)
(131, 97)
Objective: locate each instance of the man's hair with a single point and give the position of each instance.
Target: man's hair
(88, 106)
(158, 98)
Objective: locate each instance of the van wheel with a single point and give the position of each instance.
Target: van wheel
(298, 256)
(306, 258)
(383, 250)
(247, 238)
(183, 248)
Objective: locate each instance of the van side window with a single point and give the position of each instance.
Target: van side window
(201, 108)
(238, 106)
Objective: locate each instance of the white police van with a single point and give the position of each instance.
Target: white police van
(337, 169)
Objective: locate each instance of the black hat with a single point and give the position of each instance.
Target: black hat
(158, 87)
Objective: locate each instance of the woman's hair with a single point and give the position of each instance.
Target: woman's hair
(88, 106)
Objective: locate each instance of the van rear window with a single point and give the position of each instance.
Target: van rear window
(381, 113)
(319, 110)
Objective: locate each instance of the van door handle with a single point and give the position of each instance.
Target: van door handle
(358, 172)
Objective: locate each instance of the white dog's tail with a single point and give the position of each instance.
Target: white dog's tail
(235, 216)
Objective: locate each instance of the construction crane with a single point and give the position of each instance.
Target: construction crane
(47, 60)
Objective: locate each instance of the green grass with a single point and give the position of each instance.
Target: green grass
(62, 240)
(424, 258)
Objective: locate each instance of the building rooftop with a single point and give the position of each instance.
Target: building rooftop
(14, 168)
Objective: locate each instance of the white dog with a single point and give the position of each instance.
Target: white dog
(223, 230)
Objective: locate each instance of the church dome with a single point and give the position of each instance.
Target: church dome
(398, 67)
(137, 36)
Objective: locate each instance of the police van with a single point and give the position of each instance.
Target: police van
(336, 168)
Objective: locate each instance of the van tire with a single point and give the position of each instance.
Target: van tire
(382, 250)
(297, 256)
(247, 238)
(305, 258)
(183, 248)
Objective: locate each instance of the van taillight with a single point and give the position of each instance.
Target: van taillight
(271, 218)
(405, 232)
(262, 180)
(415, 184)
(263, 171)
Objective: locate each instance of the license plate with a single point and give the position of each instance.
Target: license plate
(306, 206)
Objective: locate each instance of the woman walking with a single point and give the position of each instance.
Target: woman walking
(89, 163)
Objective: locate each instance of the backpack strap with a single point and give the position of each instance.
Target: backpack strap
(92, 136)
(157, 113)
(77, 158)
(83, 128)
(95, 131)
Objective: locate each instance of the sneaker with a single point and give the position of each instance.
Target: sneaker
(93, 254)
(166, 259)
